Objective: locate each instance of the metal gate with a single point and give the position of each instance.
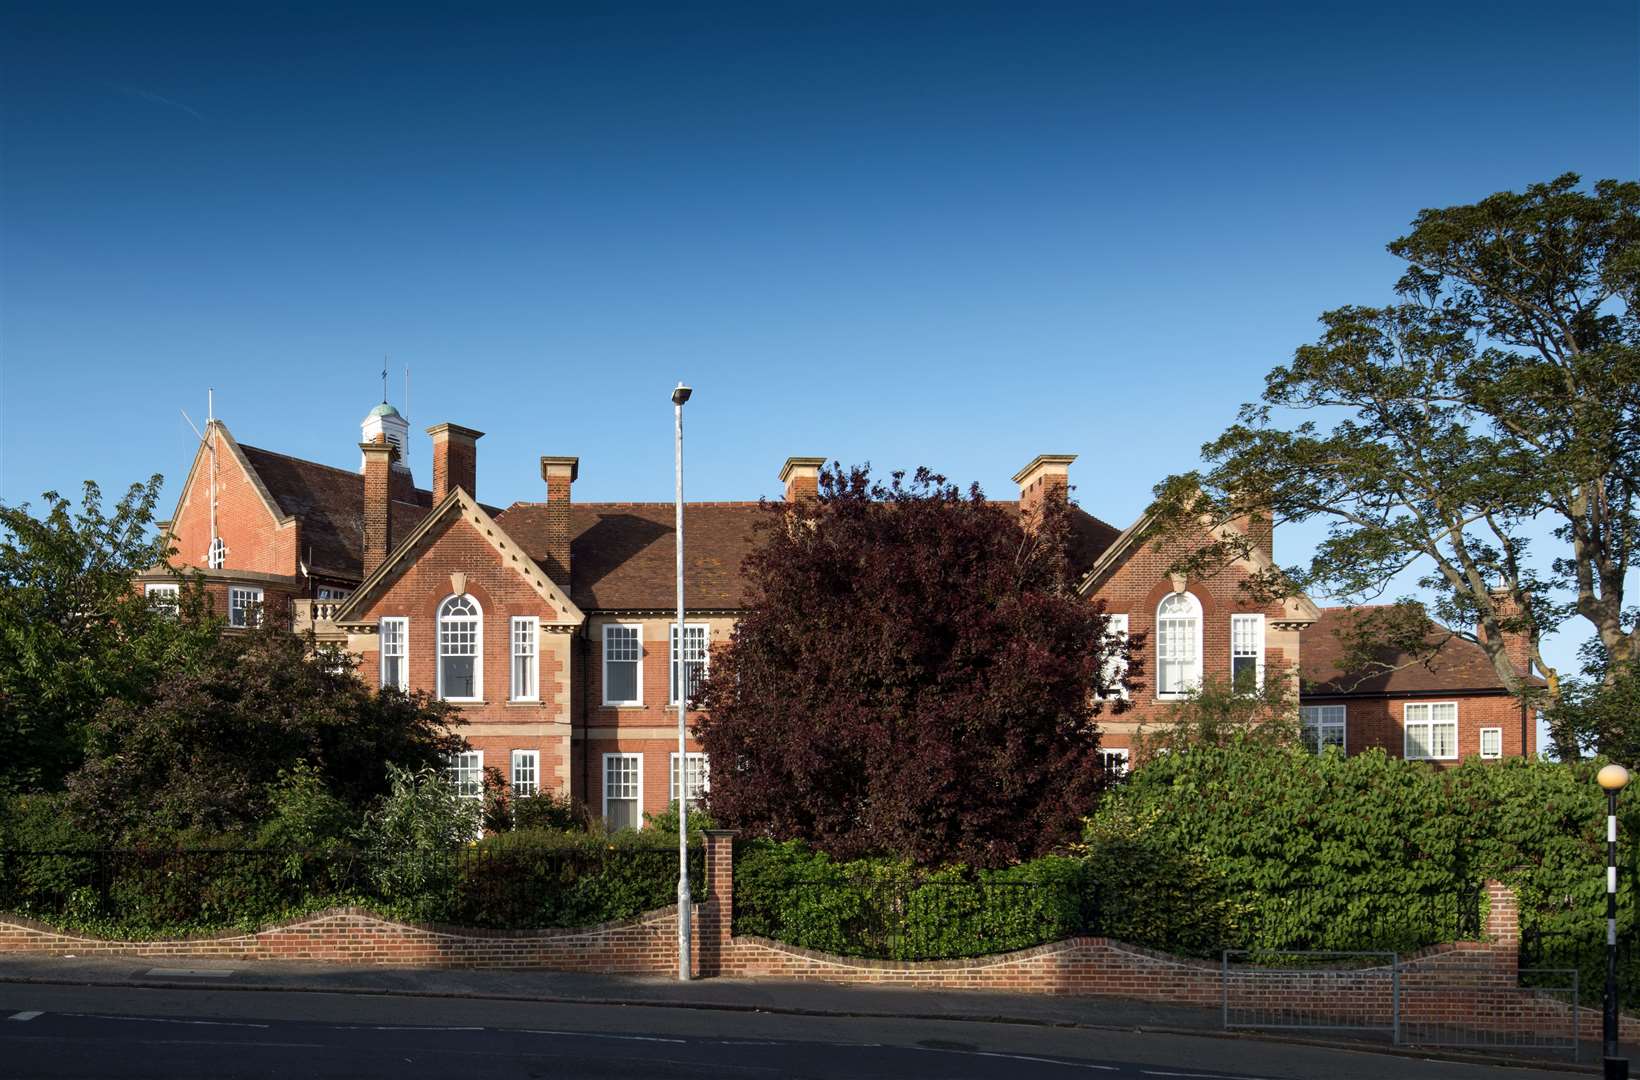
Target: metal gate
(1374, 993)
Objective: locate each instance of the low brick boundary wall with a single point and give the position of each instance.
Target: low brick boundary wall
(1474, 983)
(646, 945)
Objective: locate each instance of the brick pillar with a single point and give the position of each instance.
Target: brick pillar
(560, 474)
(1503, 927)
(715, 925)
(378, 521)
(801, 477)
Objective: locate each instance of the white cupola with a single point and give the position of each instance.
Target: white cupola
(384, 419)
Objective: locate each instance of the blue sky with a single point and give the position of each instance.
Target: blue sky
(942, 233)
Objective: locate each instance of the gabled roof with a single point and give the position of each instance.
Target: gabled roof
(1457, 667)
(457, 506)
(225, 442)
(1298, 609)
(329, 502)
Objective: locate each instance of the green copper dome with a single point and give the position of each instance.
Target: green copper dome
(384, 409)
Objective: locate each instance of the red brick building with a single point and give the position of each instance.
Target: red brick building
(1439, 707)
(550, 623)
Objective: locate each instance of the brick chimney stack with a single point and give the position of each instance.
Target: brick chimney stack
(560, 474)
(1045, 473)
(1262, 532)
(1517, 644)
(455, 460)
(378, 520)
(801, 475)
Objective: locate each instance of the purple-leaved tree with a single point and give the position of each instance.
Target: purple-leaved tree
(914, 675)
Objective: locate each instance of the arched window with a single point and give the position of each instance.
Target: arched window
(1178, 645)
(460, 649)
(217, 555)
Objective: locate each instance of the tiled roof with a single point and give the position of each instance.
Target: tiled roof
(329, 502)
(622, 554)
(1458, 666)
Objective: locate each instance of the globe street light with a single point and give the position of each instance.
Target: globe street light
(1612, 778)
(679, 396)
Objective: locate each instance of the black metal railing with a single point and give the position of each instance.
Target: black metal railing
(136, 892)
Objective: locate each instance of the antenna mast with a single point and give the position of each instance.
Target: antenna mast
(210, 430)
(407, 393)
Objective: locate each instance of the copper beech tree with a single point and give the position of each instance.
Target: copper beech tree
(914, 675)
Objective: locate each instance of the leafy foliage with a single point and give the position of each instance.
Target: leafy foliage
(411, 837)
(204, 751)
(912, 675)
(1218, 712)
(888, 908)
(1501, 389)
(73, 632)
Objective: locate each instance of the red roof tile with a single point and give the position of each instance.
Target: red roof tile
(1458, 665)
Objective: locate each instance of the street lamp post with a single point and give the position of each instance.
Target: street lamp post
(679, 396)
(1612, 778)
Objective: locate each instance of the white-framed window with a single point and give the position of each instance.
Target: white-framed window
(1322, 726)
(460, 649)
(217, 554)
(244, 606)
(623, 664)
(465, 772)
(1114, 759)
(1178, 645)
(395, 635)
(699, 779)
(526, 668)
(526, 772)
(163, 596)
(331, 592)
(1491, 742)
(1431, 730)
(1247, 652)
(623, 791)
(1116, 666)
(694, 658)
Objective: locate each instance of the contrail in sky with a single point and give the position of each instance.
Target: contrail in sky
(131, 91)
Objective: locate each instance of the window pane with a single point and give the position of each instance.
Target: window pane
(1244, 672)
(694, 659)
(621, 783)
(458, 676)
(524, 768)
(1417, 740)
(621, 681)
(466, 773)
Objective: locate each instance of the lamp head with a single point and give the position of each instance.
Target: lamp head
(681, 394)
(1613, 777)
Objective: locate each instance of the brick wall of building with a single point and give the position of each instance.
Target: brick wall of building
(496, 725)
(255, 539)
(1378, 721)
(1136, 587)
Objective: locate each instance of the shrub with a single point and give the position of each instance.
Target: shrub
(667, 822)
(888, 908)
(546, 812)
(412, 838)
(542, 879)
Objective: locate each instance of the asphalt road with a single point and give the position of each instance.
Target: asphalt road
(68, 1031)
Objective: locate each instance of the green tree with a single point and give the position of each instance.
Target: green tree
(1219, 712)
(1500, 390)
(204, 753)
(73, 630)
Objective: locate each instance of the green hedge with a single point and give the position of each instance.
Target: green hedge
(889, 909)
(1284, 849)
(513, 881)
